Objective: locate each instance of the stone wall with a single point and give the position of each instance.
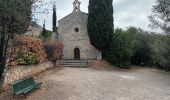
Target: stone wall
(21, 72)
(72, 39)
(34, 30)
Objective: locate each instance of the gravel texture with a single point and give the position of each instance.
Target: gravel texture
(101, 84)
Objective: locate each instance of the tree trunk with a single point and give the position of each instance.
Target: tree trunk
(4, 63)
(2, 59)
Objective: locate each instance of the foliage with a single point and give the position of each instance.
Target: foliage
(43, 33)
(55, 28)
(121, 50)
(27, 50)
(160, 47)
(27, 58)
(141, 47)
(100, 23)
(54, 19)
(161, 15)
(54, 50)
(150, 49)
(161, 52)
(47, 35)
(138, 47)
(15, 16)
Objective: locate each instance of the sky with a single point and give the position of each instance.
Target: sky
(126, 12)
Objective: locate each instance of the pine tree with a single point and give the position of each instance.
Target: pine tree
(100, 23)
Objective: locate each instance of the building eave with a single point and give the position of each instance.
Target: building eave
(69, 15)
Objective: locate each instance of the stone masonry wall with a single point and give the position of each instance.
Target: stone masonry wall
(21, 72)
(72, 39)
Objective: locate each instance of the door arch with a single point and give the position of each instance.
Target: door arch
(77, 54)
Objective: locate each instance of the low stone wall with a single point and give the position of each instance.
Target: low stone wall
(23, 71)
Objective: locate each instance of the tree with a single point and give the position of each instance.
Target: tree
(141, 43)
(55, 28)
(161, 15)
(44, 34)
(54, 18)
(141, 50)
(132, 32)
(15, 17)
(100, 23)
(120, 52)
(161, 52)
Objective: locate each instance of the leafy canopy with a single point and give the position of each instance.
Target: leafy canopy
(15, 15)
(161, 15)
(120, 52)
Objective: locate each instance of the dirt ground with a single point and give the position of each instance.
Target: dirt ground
(66, 83)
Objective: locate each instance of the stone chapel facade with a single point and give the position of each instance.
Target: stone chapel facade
(73, 33)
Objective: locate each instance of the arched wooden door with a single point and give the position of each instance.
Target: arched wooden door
(77, 54)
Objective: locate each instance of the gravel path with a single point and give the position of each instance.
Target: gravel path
(103, 84)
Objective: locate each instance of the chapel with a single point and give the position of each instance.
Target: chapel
(73, 33)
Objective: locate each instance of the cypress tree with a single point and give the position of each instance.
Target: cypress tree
(54, 18)
(100, 23)
(44, 30)
(44, 33)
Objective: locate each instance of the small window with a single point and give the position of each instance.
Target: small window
(76, 30)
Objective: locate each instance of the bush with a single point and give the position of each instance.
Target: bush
(161, 52)
(142, 49)
(27, 58)
(121, 50)
(27, 50)
(54, 50)
(45, 36)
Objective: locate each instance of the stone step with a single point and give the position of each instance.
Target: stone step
(75, 66)
(74, 63)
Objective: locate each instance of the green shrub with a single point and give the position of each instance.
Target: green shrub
(45, 36)
(121, 50)
(142, 49)
(161, 52)
(27, 58)
(21, 61)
